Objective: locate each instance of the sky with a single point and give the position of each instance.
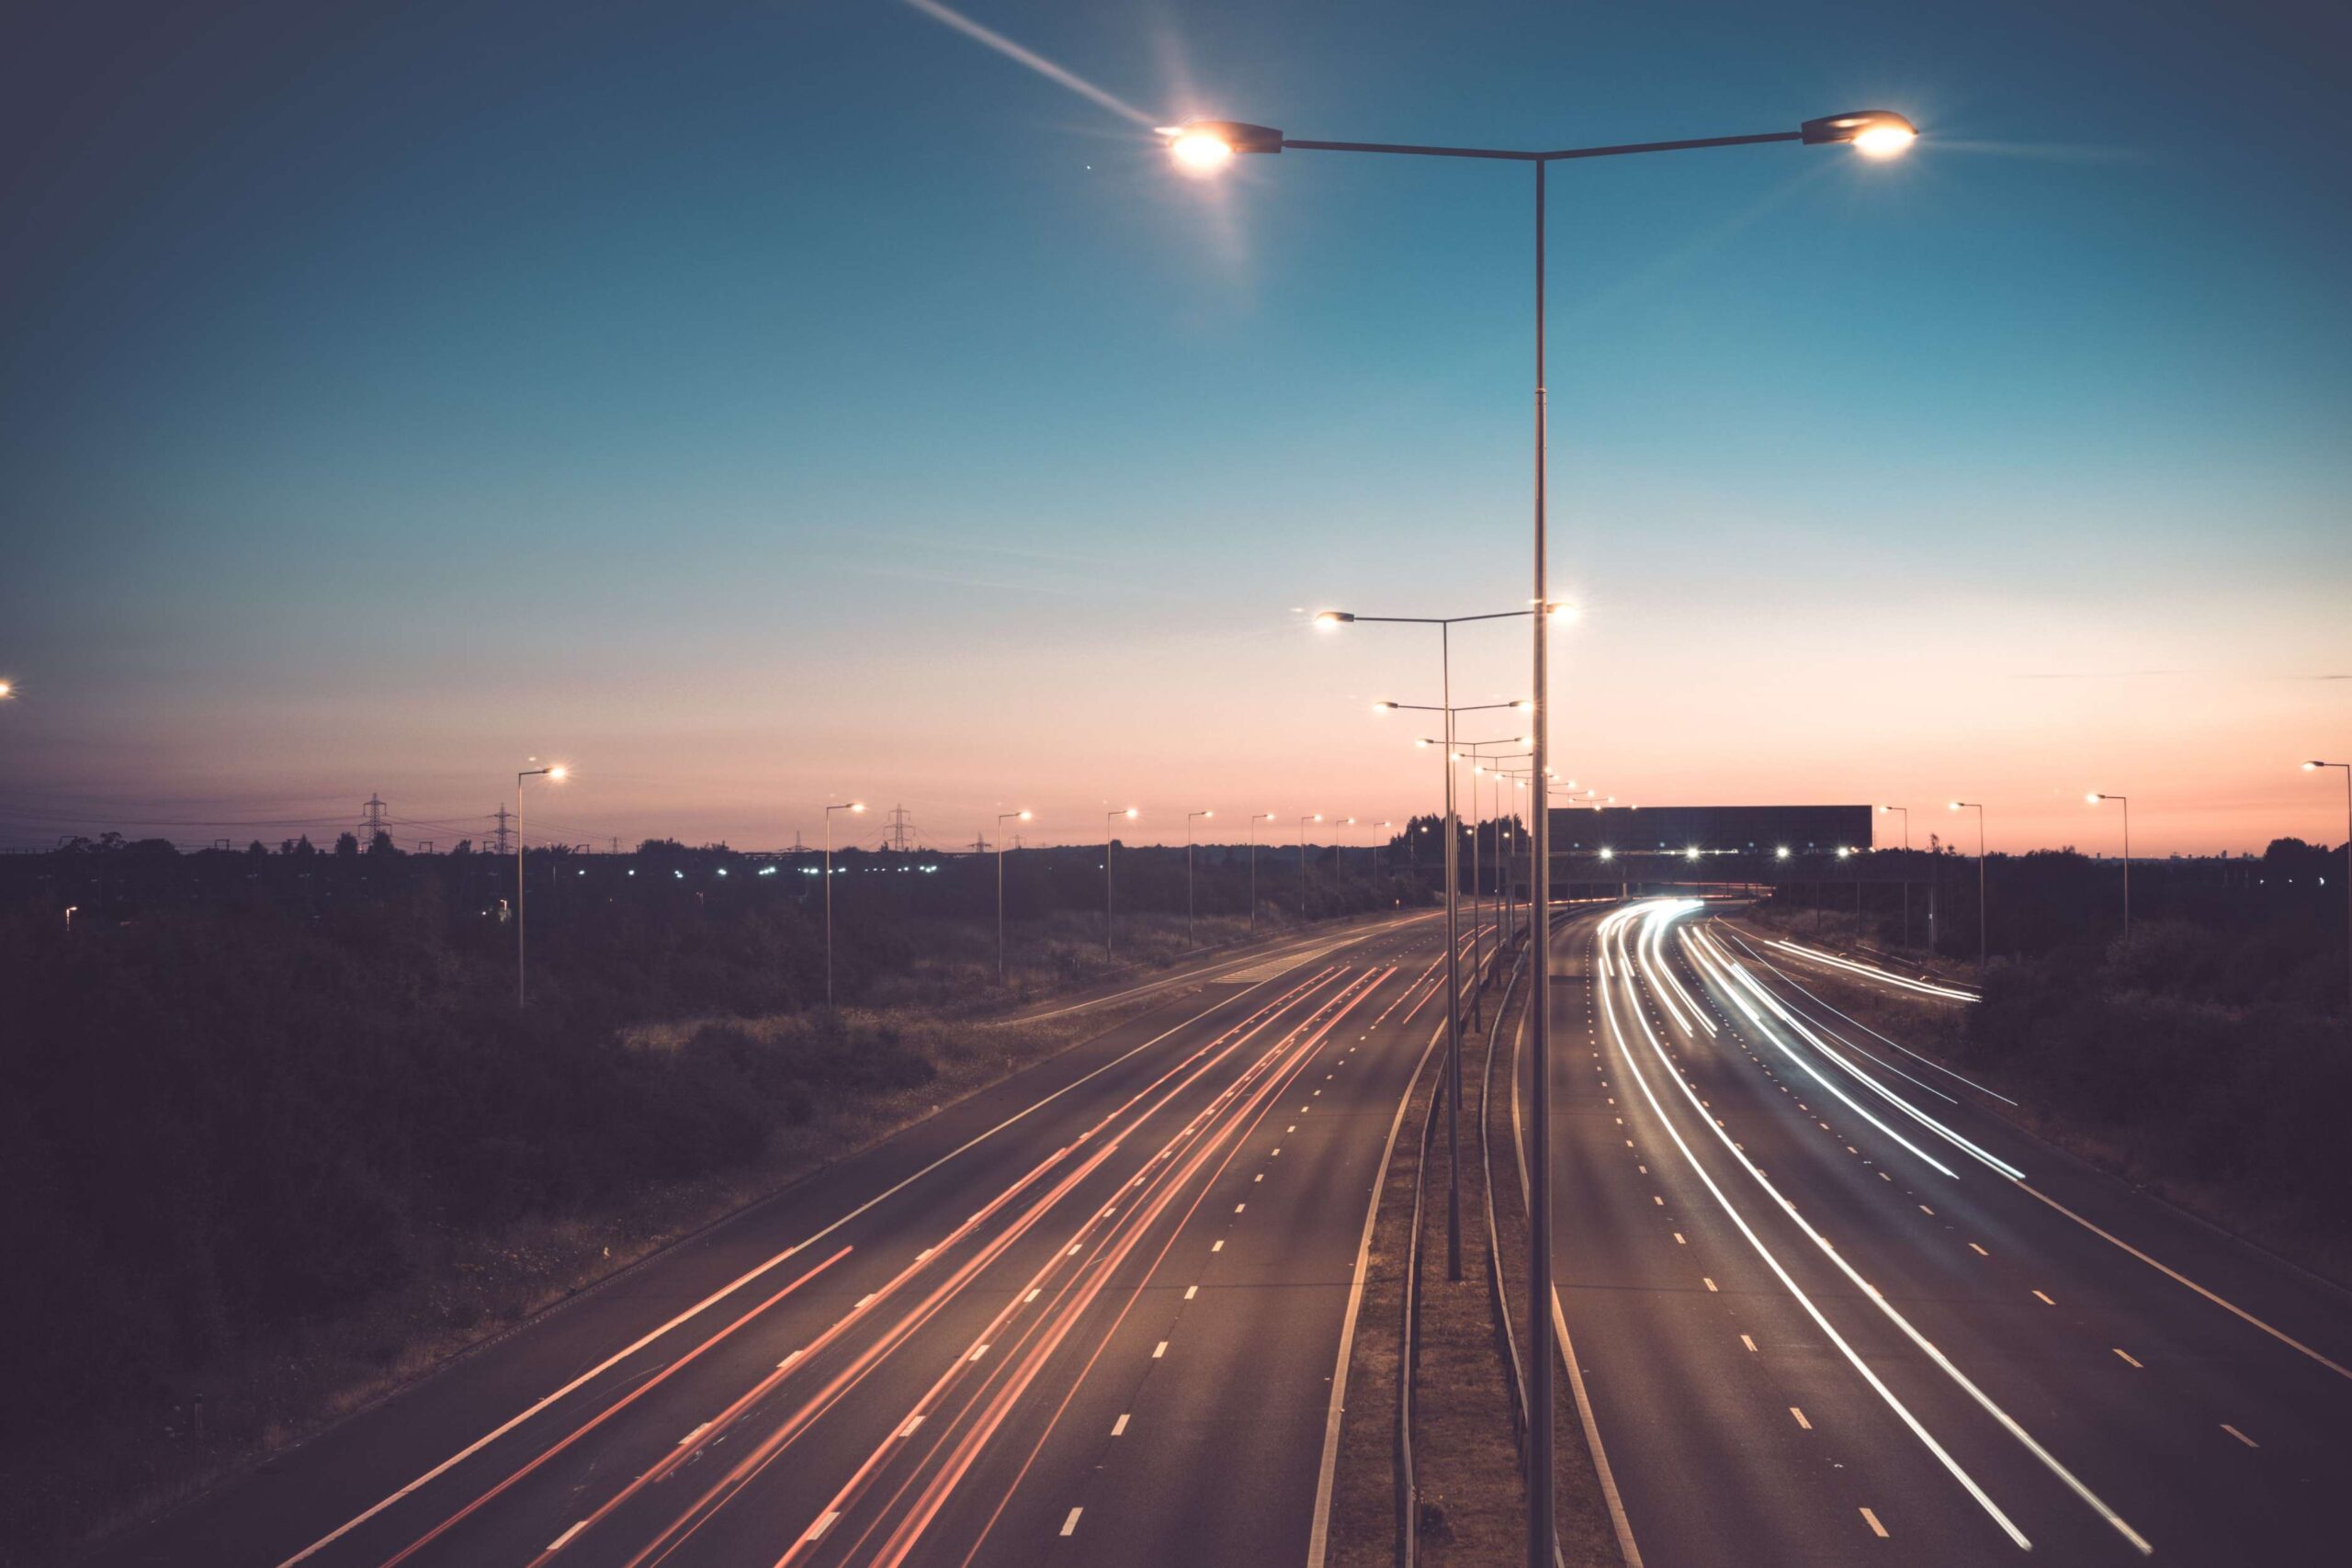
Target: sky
(761, 405)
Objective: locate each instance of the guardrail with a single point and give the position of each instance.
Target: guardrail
(1408, 1357)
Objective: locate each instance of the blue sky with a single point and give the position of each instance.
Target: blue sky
(763, 404)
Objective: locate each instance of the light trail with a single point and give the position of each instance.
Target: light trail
(1044, 67)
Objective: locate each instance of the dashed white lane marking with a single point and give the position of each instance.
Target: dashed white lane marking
(1259, 1177)
(1162, 1349)
(1978, 1251)
(557, 1545)
(2241, 1437)
(1238, 1207)
(2045, 1300)
(698, 1432)
(1678, 1241)
(1069, 1525)
(909, 1429)
(1749, 1343)
(1925, 1209)
(788, 1360)
(924, 1256)
(1218, 1246)
(1074, 1249)
(1800, 1416)
(1877, 1529)
(978, 1351)
(1190, 1291)
(1030, 1296)
(2128, 1359)
(824, 1522)
(1883, 1177)
(1276, 1155)
(1291, 1128)
(1119, 1426)
(1704, 1280)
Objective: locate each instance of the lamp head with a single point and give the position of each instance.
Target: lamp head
(1205, 146)
(858, 808)
(1027, 815)
(1874, 134)
(2312, 767)
(557, 773)
(1131, 814)
(1330, 618)
(2094, 797)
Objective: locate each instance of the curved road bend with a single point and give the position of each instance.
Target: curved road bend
(1820, 1328)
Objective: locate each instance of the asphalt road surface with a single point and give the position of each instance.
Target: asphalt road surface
(1830, 1309)
(1091, 1316)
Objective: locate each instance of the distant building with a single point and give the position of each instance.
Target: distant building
(1638, 829)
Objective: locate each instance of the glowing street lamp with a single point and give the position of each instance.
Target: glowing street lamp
(554, 772)
(855, 808)
(1111, 819)
(1190, 816)
(2346, 767)
(1303, 821)
(2093, 798)
(1001, 819)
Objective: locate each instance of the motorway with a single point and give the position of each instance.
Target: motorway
(1092, 1314)
(1830, 1309)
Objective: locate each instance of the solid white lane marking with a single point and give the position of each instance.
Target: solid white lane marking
(1877, 1529)
(2287, 1339)
(1800, 1416)
(2241, 1437)
(1119, 1426)
(1069, 1525)
(2128, 1357)
(557, 1545)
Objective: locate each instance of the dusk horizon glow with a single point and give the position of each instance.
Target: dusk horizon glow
(759, 408)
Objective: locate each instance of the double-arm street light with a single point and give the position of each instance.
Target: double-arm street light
(555, 773)
(1190, 817)
(2346, 767)
(1111, 819)
(1978, 807)
(1453, 972)
(2125, 802)
(1205, 146)
(1303, 821)
(856, 808)
(1255, 818)
(1001, 819)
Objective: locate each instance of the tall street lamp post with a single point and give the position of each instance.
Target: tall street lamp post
(1110, 820)
(1190, 816)
(2312, 768)
(1978, 808)
(1906, 812)
(1001, 819)
(2125, 802)
(1255, 818)
(1453, 973)
(854, 808)
(1205, 146)
(554, 773)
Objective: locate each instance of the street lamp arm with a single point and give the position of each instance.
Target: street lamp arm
(1511, 156)
(1443, 620)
